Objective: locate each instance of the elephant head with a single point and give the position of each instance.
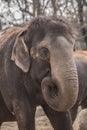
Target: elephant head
(45, 51)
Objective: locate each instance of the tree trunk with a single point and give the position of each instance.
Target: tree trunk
(0, 25)
(80, 14)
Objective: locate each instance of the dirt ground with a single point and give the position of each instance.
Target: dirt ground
(41, 121)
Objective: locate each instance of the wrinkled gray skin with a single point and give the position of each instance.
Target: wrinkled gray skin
(81, 63)
(37, 68)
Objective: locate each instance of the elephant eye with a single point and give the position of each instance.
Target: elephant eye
(43, 53)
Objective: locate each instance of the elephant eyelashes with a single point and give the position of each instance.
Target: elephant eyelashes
(44, 53)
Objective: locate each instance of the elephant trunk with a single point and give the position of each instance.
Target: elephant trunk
(61, 90)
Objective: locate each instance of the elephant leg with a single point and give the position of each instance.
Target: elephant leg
(20, 105)
(25, 115)
(25, 118)
(59, 120)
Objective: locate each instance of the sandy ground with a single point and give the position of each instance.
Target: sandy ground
(42, 122)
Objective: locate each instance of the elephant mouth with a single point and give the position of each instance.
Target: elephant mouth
(49, 87)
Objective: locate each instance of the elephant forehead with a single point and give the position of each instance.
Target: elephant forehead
(63, 41)
(51, 43)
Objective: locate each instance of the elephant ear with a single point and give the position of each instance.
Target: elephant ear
(20, 54)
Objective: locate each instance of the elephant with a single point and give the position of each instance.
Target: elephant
(81, 63)
(37, 67)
